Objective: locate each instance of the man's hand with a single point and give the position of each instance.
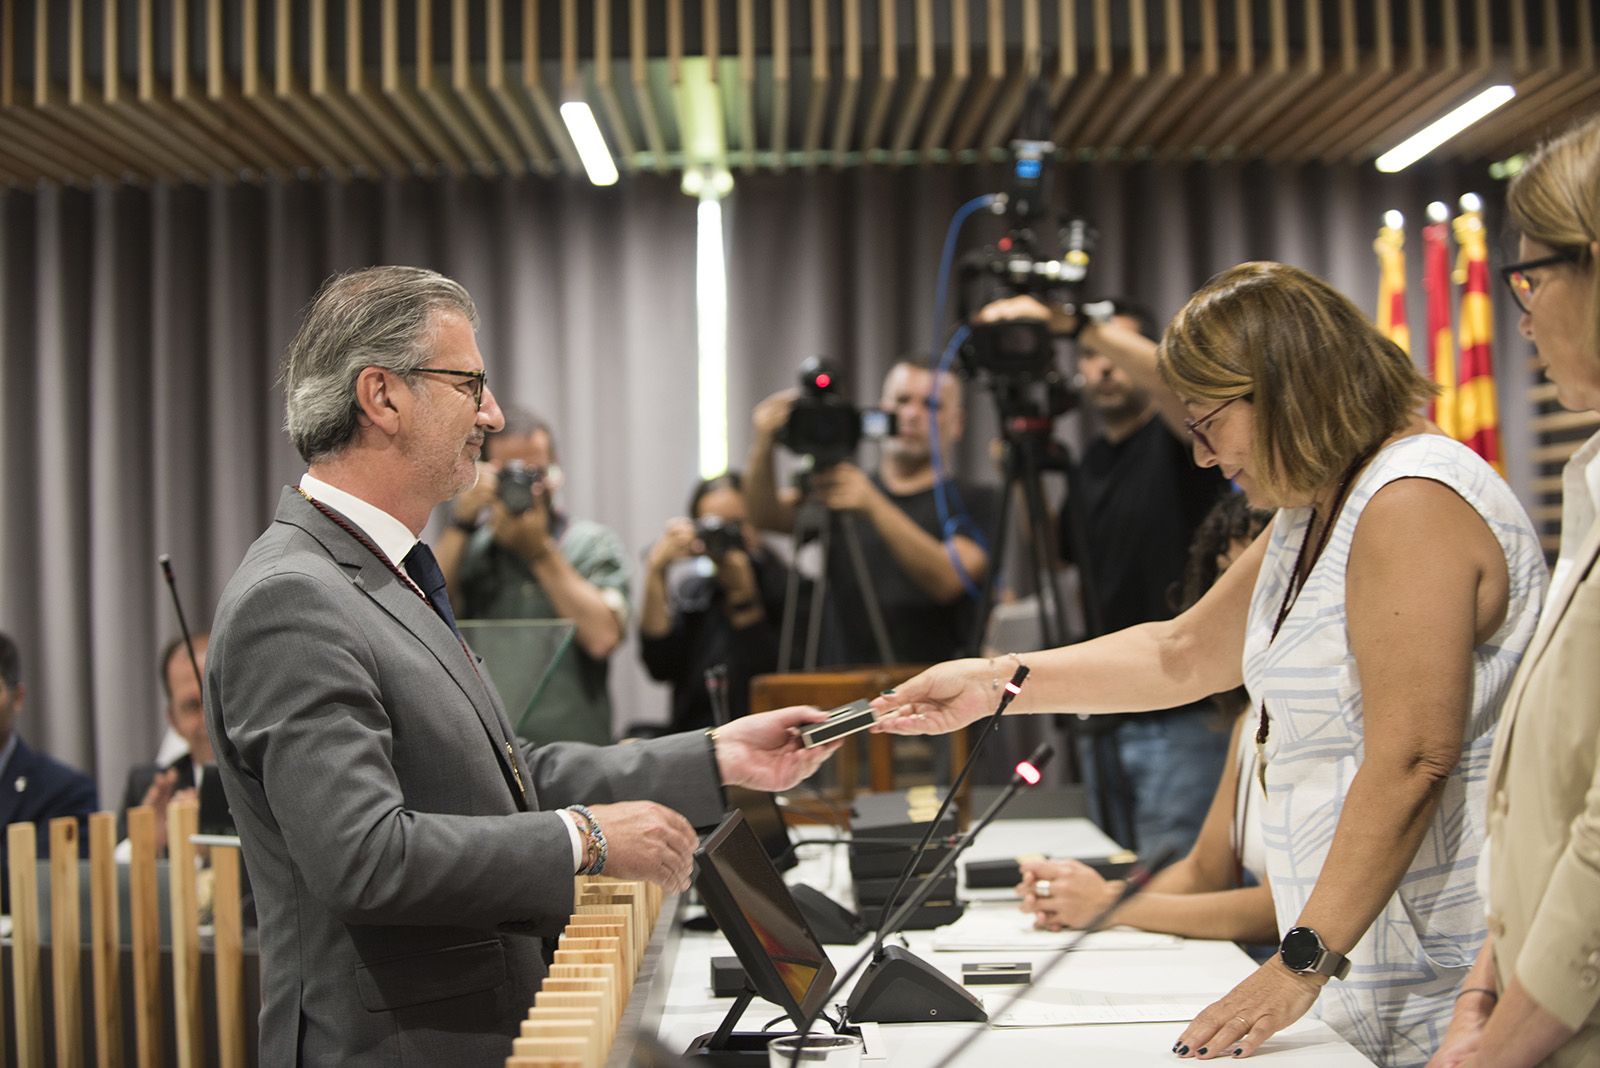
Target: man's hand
(1077, 893)
(645, 840)
(470, 502)
(163, 788)
(676, 542)
(1271, 999)
(844, 487)
(528, 534)
(770, 415)
(1026, 307)
(764, 751)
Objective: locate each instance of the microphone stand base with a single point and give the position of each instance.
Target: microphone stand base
(900, 987)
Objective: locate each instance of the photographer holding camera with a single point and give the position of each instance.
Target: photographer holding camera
(511, 554)
(713, 595)
(923, 573)
(1142, 498)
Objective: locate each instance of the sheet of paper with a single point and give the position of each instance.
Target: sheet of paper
(1061, 1007)
(996, 930)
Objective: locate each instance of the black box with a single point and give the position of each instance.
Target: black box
(871, 893)
(935, 912)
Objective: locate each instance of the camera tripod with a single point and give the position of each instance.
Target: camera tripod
(1029, 451)
(814, 521)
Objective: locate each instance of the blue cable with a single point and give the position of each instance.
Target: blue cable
(945, 492)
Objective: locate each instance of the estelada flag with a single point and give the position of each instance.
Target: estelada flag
(1390, 247)
(1441, 340)
(1477, 418)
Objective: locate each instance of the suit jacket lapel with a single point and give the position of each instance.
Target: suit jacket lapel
(1549, 618)
(397, 598)
(17, 767)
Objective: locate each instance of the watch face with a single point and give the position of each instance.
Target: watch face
(1300, 948)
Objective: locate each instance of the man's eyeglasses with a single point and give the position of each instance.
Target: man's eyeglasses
(1519, 282)
(1194, 425)
(479, 378)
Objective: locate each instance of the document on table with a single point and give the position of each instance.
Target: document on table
(996, 930)
(1059, 1007)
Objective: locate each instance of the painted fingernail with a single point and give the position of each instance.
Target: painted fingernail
(1238, 1051)
(1201, 1052)
(887, 693)
(1183, 1051)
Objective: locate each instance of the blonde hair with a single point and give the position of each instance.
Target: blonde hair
(1555, 201)
(1325, 385)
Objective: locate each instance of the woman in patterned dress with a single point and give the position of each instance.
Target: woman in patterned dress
(1376, 624)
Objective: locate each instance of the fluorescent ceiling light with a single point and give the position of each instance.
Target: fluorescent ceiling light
(597, 161)
(711, 316)
(1441, 130)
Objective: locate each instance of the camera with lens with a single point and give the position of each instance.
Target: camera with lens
(823, 424)
(718, 536)
(519, 485)
(1014, 348)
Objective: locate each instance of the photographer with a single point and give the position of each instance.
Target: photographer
(1141, 499)
(713, 595)
(910, 556)
(511, 554)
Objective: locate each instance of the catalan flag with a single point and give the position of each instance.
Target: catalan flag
(1390, 247)
(1441, 339)
(1477, 420)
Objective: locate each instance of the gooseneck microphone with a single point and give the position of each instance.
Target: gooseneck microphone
(992, 724)
(1137, 880)
(183, 624)
(900, 987)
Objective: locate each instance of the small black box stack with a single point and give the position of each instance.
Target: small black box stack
(885, 829)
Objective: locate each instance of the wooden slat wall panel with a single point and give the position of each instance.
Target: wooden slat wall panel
(883, 81)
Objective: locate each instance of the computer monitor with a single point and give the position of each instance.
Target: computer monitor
(761, 812)
(744, 893)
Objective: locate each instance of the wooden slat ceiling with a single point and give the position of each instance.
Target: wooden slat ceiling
(230, 90)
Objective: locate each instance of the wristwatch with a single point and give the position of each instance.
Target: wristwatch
(1303, 952)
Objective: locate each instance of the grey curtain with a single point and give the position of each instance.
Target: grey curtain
(140, 330)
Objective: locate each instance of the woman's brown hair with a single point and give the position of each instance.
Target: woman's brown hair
(1325, 385)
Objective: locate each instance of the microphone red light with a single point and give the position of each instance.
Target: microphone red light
(1028, 773)
(824, 381)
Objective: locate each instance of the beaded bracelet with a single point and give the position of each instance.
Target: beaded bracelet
(997, 681)
(596, 841)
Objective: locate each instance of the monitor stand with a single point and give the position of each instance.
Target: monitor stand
(727, 1048)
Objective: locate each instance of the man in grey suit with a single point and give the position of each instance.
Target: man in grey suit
(407, 850)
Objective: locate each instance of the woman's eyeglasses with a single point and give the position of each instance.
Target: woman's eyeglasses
(1521, 284)
(1194, 425)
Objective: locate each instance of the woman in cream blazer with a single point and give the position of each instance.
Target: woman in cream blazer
(1533, 997)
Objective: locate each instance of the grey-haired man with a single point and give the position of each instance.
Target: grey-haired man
(406, 849)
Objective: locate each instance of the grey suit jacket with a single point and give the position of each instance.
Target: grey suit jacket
(403, 877)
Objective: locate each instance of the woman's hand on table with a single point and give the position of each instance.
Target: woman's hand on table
(1072, 893)
(1268, 1001)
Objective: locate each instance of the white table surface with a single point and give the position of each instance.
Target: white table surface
(1190, 967)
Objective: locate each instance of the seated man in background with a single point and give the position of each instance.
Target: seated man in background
(926, 567)
(34, 787)
(713, 597)
(502, 560)
(193, 773)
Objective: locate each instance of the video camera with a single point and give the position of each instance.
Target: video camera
(519, 484)
(823, 424)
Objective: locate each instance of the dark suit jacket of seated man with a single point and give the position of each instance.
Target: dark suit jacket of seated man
(403, 845)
